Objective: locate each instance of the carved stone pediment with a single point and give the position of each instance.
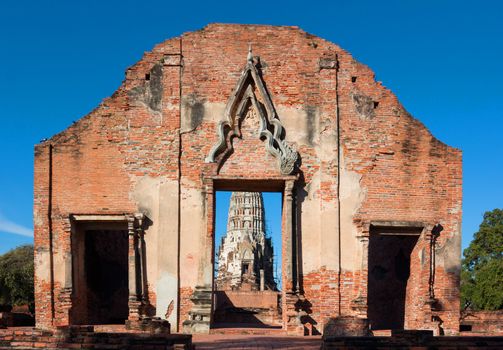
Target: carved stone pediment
(270, 129)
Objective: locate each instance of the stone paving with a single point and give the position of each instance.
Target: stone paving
(228, 341)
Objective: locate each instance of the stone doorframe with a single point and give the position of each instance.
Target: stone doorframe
(200, 316)
(360, 304)
(137, 279)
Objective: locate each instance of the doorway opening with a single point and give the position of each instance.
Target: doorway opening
(101, 273)
(389, 275)
(248, 259)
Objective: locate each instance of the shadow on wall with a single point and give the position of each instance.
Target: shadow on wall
(250, 309)
(309, 323)
(305, 306)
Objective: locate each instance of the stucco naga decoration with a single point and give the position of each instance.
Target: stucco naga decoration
(271, 130)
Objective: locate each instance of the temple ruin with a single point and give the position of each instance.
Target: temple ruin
(246, 290)
(124, 199)
(245, 258)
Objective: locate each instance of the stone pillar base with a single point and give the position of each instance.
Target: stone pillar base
(294, 314)
(134, 315)
(200, 316)
(63, 318)
(196, 327)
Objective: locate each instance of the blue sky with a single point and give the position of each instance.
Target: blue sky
(59, 59)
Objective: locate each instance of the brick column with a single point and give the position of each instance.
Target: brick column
(205, 277)
(64, 317)
(42, 204)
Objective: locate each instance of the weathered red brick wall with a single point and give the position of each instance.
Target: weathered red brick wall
(93, 167)
(185, 304)
(87, 338)
(408, 174)
(363, 159)
(483, 322)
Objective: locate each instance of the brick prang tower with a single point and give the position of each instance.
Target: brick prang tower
(245, 257)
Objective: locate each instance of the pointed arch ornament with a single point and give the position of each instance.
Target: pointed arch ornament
(271, 130)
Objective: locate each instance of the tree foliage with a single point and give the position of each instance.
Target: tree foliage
(16, 276)
(482, 274)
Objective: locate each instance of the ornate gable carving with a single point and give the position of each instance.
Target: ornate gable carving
(244, 101)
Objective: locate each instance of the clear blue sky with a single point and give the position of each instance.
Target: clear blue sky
(443, 59)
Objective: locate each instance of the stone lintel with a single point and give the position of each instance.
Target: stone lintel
(94, 217)
(237, 183)
(392, 223)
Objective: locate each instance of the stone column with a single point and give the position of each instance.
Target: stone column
(433, 232)
(360, 303)
(288, 250)
(141, 258)
(134, 303)
(292, 300)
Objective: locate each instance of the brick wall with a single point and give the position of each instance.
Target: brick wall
(483, 323)
(185, 304)
(363, 159)
(87, 338)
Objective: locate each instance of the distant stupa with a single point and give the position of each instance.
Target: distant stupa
(245, 257)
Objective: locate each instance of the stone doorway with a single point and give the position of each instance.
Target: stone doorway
(201, 314)
(390, 276)
(247, 270)
(100, 273)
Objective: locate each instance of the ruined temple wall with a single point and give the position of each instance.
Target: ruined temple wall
(378, 181)
(290, 67)
(391, 169)
(399, 172)
(143, 150)
(112, 161)
(77, 170)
